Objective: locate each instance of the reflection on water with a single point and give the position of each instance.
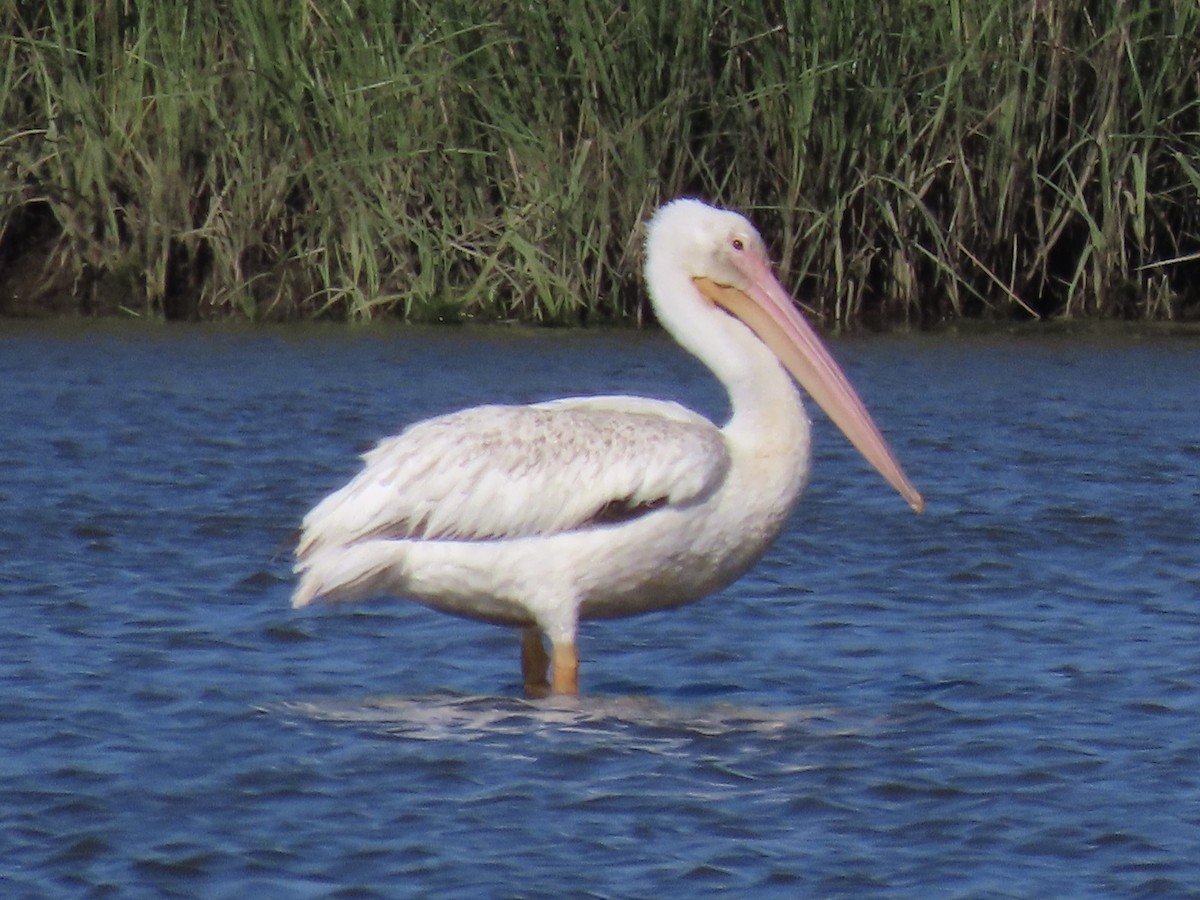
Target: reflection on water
(999, 696)
(449, 717)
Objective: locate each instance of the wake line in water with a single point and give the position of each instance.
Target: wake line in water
(448, 716)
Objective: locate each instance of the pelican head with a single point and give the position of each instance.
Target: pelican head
(704, 240)
(696, 253)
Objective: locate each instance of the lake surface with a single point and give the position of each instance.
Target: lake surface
(999, 698)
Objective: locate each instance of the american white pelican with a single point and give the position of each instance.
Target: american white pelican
(593, 507)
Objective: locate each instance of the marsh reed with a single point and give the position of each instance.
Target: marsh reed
(909, 161)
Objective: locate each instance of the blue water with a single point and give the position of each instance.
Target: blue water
(1000, 698)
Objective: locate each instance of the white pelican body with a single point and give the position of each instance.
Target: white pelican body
(541, 516)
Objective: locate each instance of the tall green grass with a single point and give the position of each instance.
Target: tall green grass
(908, 160)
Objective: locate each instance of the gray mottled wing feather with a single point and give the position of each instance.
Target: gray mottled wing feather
(509, 471)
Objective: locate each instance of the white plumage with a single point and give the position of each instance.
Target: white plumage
(540, 516)
(512, 471)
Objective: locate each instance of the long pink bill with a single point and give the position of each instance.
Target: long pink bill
(768, 310)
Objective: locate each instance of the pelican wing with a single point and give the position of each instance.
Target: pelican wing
(510, 471)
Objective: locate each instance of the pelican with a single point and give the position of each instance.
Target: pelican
(545, 515)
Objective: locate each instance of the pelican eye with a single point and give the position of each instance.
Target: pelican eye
(738, 244)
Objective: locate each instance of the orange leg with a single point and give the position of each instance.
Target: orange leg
(565, 676)
(535, 664)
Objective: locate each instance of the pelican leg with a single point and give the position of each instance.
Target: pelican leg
(535, 663)
(565, 675)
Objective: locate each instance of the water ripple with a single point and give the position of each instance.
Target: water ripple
(998, 698)
(450, 717)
